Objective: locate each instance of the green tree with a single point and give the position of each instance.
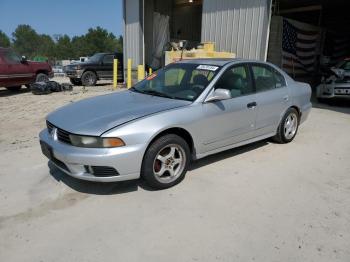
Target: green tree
(4, 40)
(26, 41)
(119, 44)
(64, 49)
(47, 46)
(99, 40)
(79, 46)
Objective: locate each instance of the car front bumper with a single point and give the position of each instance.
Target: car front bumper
(76, 161)
(333, 90)
(74, 73)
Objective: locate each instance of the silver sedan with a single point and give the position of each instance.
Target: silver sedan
(183, 112)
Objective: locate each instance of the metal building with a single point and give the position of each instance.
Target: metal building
(238, 26)
(299, 36)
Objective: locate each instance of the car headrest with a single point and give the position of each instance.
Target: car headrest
(200, 80)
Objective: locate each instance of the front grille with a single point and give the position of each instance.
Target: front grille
(103, 171)
(341, 87)
(62, 135)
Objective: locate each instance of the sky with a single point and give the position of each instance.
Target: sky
(71, 17)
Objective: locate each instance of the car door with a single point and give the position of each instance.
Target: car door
(107, 67)
(19, 73)
(272, 97)
(230, 121)
(4, 78)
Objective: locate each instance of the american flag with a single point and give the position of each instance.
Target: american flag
(299, 48)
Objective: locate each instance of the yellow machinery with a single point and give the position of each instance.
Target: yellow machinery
(208, 51)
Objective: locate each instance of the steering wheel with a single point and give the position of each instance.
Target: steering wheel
(198, 88)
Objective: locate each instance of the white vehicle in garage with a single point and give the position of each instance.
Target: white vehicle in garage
(336, 85)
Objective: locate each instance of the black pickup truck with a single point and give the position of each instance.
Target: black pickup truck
(97, 67)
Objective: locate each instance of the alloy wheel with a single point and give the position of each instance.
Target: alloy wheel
(290, 126)
(169, 163)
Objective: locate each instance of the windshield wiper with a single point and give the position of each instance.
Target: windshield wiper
(155, 93)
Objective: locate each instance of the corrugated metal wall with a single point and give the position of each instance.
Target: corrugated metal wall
(133, 35)
(239, 26)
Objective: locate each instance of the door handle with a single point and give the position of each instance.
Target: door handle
(252, 105)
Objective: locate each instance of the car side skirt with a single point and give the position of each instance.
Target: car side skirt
(242, 143)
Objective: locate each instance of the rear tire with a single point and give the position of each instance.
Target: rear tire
(41, 77)
(166, 162)
(88, 78)
(14, 88)
(288, 127)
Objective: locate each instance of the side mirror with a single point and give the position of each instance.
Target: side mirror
(23, 59)
(219, 94)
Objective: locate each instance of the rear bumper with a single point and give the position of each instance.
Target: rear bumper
(76, 161)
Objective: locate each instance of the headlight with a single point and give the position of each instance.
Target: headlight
(76, 67)
(96, 142)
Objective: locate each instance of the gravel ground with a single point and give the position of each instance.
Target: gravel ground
(262, 202)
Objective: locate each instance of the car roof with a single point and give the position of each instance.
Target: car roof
(209, 61)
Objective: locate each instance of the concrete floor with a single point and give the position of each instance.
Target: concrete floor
(262, 202)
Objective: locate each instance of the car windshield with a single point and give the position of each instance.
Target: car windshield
(178, 81)
(95, 58)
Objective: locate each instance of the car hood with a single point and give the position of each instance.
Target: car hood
(94, 116)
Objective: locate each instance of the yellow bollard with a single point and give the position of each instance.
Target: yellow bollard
(115, 73)
(128, 85)
(149, 71)
(140, 72)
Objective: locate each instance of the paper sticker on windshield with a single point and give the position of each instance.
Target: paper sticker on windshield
(207, 67)
(151, 76)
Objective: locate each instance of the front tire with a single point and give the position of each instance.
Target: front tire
(288, 127)
(166, 162)
(89, 78)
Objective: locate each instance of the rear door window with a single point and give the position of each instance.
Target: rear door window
(267, 78)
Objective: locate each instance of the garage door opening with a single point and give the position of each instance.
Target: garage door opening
(168, 21)
(308, 35)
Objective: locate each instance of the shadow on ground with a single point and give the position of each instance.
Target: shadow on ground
(336, 105)
(227, 154)
(5, 92)
(113, 188)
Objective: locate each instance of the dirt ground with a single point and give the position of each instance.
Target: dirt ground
(262, 202)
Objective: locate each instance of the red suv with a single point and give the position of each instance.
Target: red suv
(16, 71)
